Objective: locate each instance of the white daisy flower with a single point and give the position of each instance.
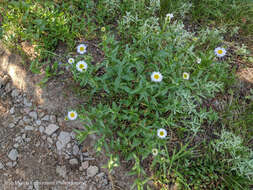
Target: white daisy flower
(198, 60)
(81, 48)
(220, 52)
(186, 76)
(156, 77)
(161, 133)
(72, 115)
(154, 151)
(81, 65)
(169, 15)
(71, 61)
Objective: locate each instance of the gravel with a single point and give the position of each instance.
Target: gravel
(27, 145)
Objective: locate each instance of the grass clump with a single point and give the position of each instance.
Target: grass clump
(44, 24)
(230, 13)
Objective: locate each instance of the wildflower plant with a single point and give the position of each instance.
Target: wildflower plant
(142, 94)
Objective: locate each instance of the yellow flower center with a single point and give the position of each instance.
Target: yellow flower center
(156, 76)
(81, 66)
(185, 76)
(81, 48)
(220, 51)
(72, 114)
(161, 133)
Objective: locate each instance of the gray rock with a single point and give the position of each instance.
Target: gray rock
(19, 139)
(17, 119)
(1, 166)
(37, 122)
(101, 179)
(27, 103)
(49, 140)
(41, 113)
(73, 135)
(61, 171)
(41, 129)
(21, 123)
(4, 80)
(45, 118)
(29, 128)
(11, 125)
(75, 150)
(27, 139)
(60, 145)
(85, 165)
(51, 129)
(67, 156)
(83, 186)
(92, 187)
(23, 136)
(69, 145)
(16, 145)
(53, 118)
(73, 161)
(33, 115)
(26, 119)
(27, 110)
(8, 87)
(44, 137)
(12, 110)
(36, 185)
(86, 154)
(15, 93)
(64, 137)
(13, 154)
(37, 144)
(14, 164)
(88, 159)
(9, 164)
(92, 171)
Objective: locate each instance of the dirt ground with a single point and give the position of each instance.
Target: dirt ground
(37, 146)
